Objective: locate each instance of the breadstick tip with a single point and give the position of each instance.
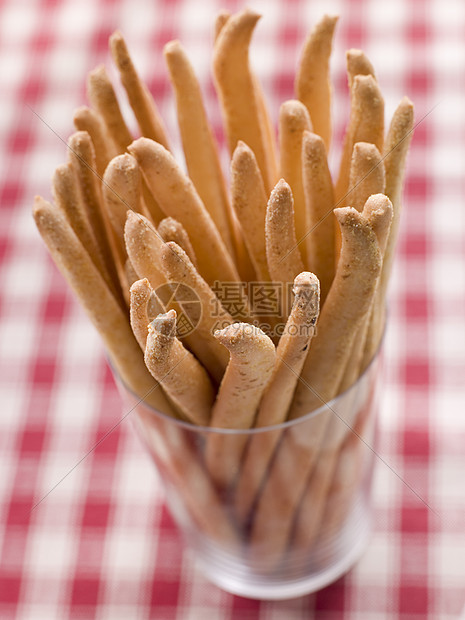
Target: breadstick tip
(125, 161)
(167, 223)
(243, 156)
(115, 37)
(378, 212)
(82, 111)
(119, 50)
(242, 338)
(358, 64)
(293, 107)
(406, 102)
(172, 251)
(60, 174)
(353, 53)
(295, 112)
(98, 73)
(326, 24)
(365, 84)
(282, 186)
(378, 205)
(347, 215)
(306, 289)
(164, 324)
(144, 148)
(281, 193)
(223, 14)
(78, 137)
(240, 26)
(134, 221)
(241, 147)
(232, 334)
(220, 21)
(330, 18)
(306, 279)
(313, 145)
(405, 109)
(367, 149)
(141, 286)
(39, 207)
(131, 217)
(173, 48)
(160, 338)
(249, 13)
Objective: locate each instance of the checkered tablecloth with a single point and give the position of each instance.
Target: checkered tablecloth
(84, 532)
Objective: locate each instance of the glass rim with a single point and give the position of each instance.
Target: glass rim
(197, 428)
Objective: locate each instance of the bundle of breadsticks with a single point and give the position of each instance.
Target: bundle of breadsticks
(144, 244)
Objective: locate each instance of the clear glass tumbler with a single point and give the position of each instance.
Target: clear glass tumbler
(292, 513)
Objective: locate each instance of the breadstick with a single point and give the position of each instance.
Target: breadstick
(378, 213)
(265, 121)
(290, 356)
(151, 205)
(140, 295)
(292, 350)
(121, 191)
(86, 119)
(347, 303)
(249, 199)
(366, 175)
(268, 132)
(346, 306)
(243, 262)
(205, 315)
(281, 492)
(171, 230)
(312, 83)
(143, 245)
(131, 275)
(82, 158)
(320, 227)
(199, 145)
(68, 198)
(142, 103)
(246, 377)
(354, 409)
(397, 144)
(123, 177)
(107, 316)
(180, 461)
(103, 98)
(351, 465)
(220, 21)
(248, 372)
(357, 64)
(282, 253)
(178, 198)
(233, 78)
(182, 376)
(366, 124)
(293, 121)
(311, 509)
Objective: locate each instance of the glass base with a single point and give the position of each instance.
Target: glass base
(238, 579)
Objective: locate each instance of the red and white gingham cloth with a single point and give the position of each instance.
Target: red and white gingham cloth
(101, 543)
